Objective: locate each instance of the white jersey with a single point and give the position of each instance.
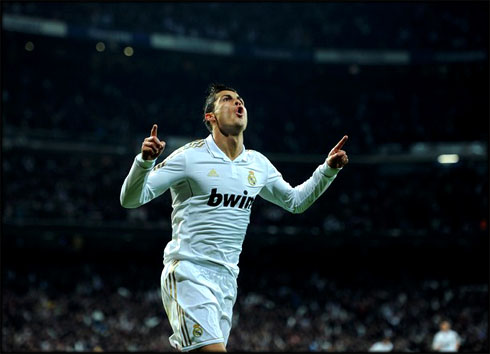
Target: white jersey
(212, 197)
(446, 341)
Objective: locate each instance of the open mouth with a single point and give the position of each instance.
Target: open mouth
(240, 111)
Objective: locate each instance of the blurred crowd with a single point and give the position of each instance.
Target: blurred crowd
(293, 108)
(443, 26)
(118, 308)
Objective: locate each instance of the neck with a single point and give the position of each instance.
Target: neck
(231, 145)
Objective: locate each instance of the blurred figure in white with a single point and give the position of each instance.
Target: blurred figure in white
(446, 340)
(384, 345)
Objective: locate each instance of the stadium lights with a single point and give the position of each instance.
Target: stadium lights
(100, 46)
(448, 158)
(128, 51)
(29, 46)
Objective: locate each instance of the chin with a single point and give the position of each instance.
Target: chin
(236, 130)
(242, 127)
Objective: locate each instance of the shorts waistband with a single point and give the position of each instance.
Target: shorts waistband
(218, 269)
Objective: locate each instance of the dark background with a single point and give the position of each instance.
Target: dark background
(396, 244)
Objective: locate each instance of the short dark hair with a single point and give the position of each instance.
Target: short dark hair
(212, 90)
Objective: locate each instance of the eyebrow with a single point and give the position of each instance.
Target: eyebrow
(239, 97)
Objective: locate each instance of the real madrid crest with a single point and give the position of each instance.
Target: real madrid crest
(197, 331)
(251, 178)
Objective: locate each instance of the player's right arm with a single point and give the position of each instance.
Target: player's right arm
(146, 182)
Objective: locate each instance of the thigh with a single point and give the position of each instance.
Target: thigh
(192, 308)
(229, 295)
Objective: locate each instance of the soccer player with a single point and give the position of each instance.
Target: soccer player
(446, 340)
(213, 184)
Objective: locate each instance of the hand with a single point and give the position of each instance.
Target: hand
(337, 158)
(152, 147)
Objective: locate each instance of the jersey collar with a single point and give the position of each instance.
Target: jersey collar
(216, 151)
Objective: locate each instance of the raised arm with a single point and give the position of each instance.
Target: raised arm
(301, 197)
(152, 147)
(144, 182)
(337, 158)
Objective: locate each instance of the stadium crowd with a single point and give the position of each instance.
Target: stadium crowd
(302, 25)
(118, 308)
(121, 96)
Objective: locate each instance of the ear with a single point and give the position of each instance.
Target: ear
(209, 117)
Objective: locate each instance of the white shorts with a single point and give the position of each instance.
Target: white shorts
(198, 300)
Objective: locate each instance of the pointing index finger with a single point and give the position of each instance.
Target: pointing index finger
(154, 130)
(341, 143)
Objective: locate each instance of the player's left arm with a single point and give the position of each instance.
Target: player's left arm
(301, 197)
(337, 158)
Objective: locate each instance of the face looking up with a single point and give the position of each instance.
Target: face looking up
(229, 113)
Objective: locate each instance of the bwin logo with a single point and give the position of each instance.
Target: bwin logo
(230, 200)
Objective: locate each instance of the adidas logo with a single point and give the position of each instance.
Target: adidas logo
(213, 173)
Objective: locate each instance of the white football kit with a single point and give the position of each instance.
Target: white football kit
(446, 341)
(212, 197)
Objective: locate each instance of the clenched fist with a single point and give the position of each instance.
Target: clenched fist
(337, 158)
(152, 147)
